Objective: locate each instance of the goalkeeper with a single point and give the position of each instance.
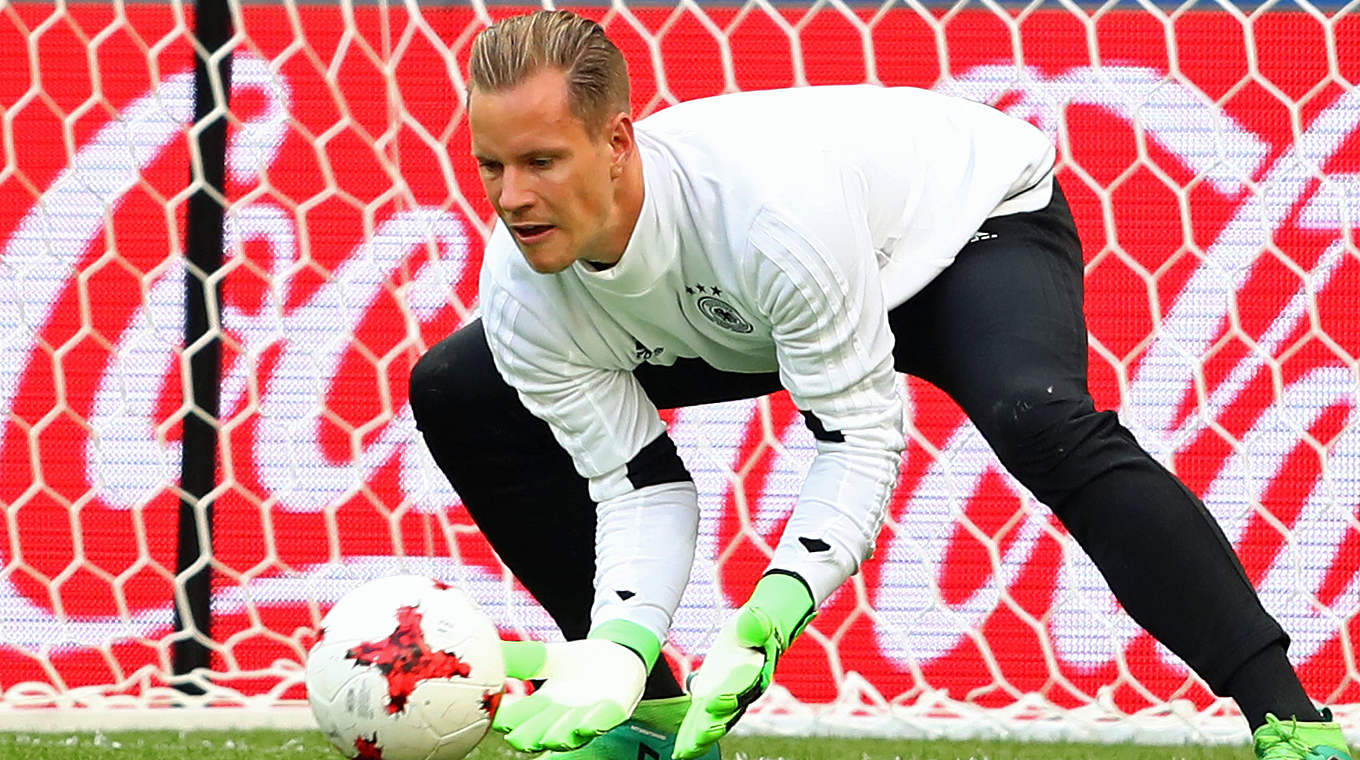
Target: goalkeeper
(817, 240)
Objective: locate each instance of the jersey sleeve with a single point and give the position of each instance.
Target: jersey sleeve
(817, 283)
(617, 440)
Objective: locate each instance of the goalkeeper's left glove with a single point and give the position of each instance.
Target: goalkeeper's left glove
(590, 686)
(740, 666)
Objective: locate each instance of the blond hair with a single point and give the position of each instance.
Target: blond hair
(514, 49)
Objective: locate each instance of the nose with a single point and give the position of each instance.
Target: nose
(516, 193)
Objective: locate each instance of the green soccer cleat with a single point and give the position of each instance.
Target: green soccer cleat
(1298, 740)
(648, 735)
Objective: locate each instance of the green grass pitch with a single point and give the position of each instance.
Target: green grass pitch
(240, 745)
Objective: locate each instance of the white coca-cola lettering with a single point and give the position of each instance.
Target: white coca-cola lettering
(39, 262)
(1169, 371)
(127, 460)
(324, 584)
(130, 459)
(133, 461)
(918, 625)
(270, 326)
(41, 257)
(1211, 142)
(314, 338)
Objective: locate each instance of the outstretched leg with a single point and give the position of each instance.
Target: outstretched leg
(1002, 332)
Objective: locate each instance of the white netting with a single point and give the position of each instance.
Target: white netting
(1211, 155)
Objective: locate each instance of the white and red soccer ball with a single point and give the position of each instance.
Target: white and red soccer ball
(405, 668)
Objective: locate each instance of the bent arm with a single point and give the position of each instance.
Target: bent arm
(835, 357)
(647, 509)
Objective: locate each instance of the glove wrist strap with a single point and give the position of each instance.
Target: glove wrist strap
(524, 659)
(785, 598)
(629, 634)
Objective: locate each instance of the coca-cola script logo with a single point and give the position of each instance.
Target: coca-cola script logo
(1218, 213)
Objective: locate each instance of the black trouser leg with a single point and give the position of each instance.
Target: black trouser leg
(519, 486)
(1002, 332)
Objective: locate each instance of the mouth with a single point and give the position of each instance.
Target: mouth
(529, 234)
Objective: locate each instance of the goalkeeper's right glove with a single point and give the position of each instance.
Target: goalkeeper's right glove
(590, 686)
(740, 665)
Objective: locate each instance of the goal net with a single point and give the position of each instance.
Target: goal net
(1211, 155)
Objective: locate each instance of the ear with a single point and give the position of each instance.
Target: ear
(622, 145)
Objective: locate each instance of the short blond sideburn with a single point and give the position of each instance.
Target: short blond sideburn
(514, 49)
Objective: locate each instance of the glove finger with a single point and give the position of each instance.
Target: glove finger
(753, 628)
(579, 725)
(745, 699)
(739, 688)
(720, 706)
(687, 736)
(602, 717)
(697, 733)
(566, 732)
(509, 716)
(710, 736)
(528, 736)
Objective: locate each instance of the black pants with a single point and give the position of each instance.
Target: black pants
(1002, 332)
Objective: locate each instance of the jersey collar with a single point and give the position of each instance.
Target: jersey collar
(649, 253)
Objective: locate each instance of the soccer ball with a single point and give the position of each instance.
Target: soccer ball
(405, 668)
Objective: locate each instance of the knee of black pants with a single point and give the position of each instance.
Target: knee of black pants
(455, 384)
(481, 435)
(1053, 441)
(424, 387)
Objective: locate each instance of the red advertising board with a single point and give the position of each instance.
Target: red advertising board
(1212, 163)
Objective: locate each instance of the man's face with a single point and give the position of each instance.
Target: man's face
(548, 178)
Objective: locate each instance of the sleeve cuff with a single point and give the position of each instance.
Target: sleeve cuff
(629, 634)
(822, 573)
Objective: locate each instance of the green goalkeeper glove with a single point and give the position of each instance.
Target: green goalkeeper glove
(590, 686)
(740, 666)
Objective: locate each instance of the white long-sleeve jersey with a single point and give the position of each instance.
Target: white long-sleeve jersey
(777, 230)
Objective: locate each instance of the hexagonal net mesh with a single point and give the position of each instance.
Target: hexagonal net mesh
(1211, 155)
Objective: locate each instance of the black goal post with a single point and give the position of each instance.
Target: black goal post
(203, 346)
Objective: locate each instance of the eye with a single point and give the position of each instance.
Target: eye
(542, 162)
(489, 167)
